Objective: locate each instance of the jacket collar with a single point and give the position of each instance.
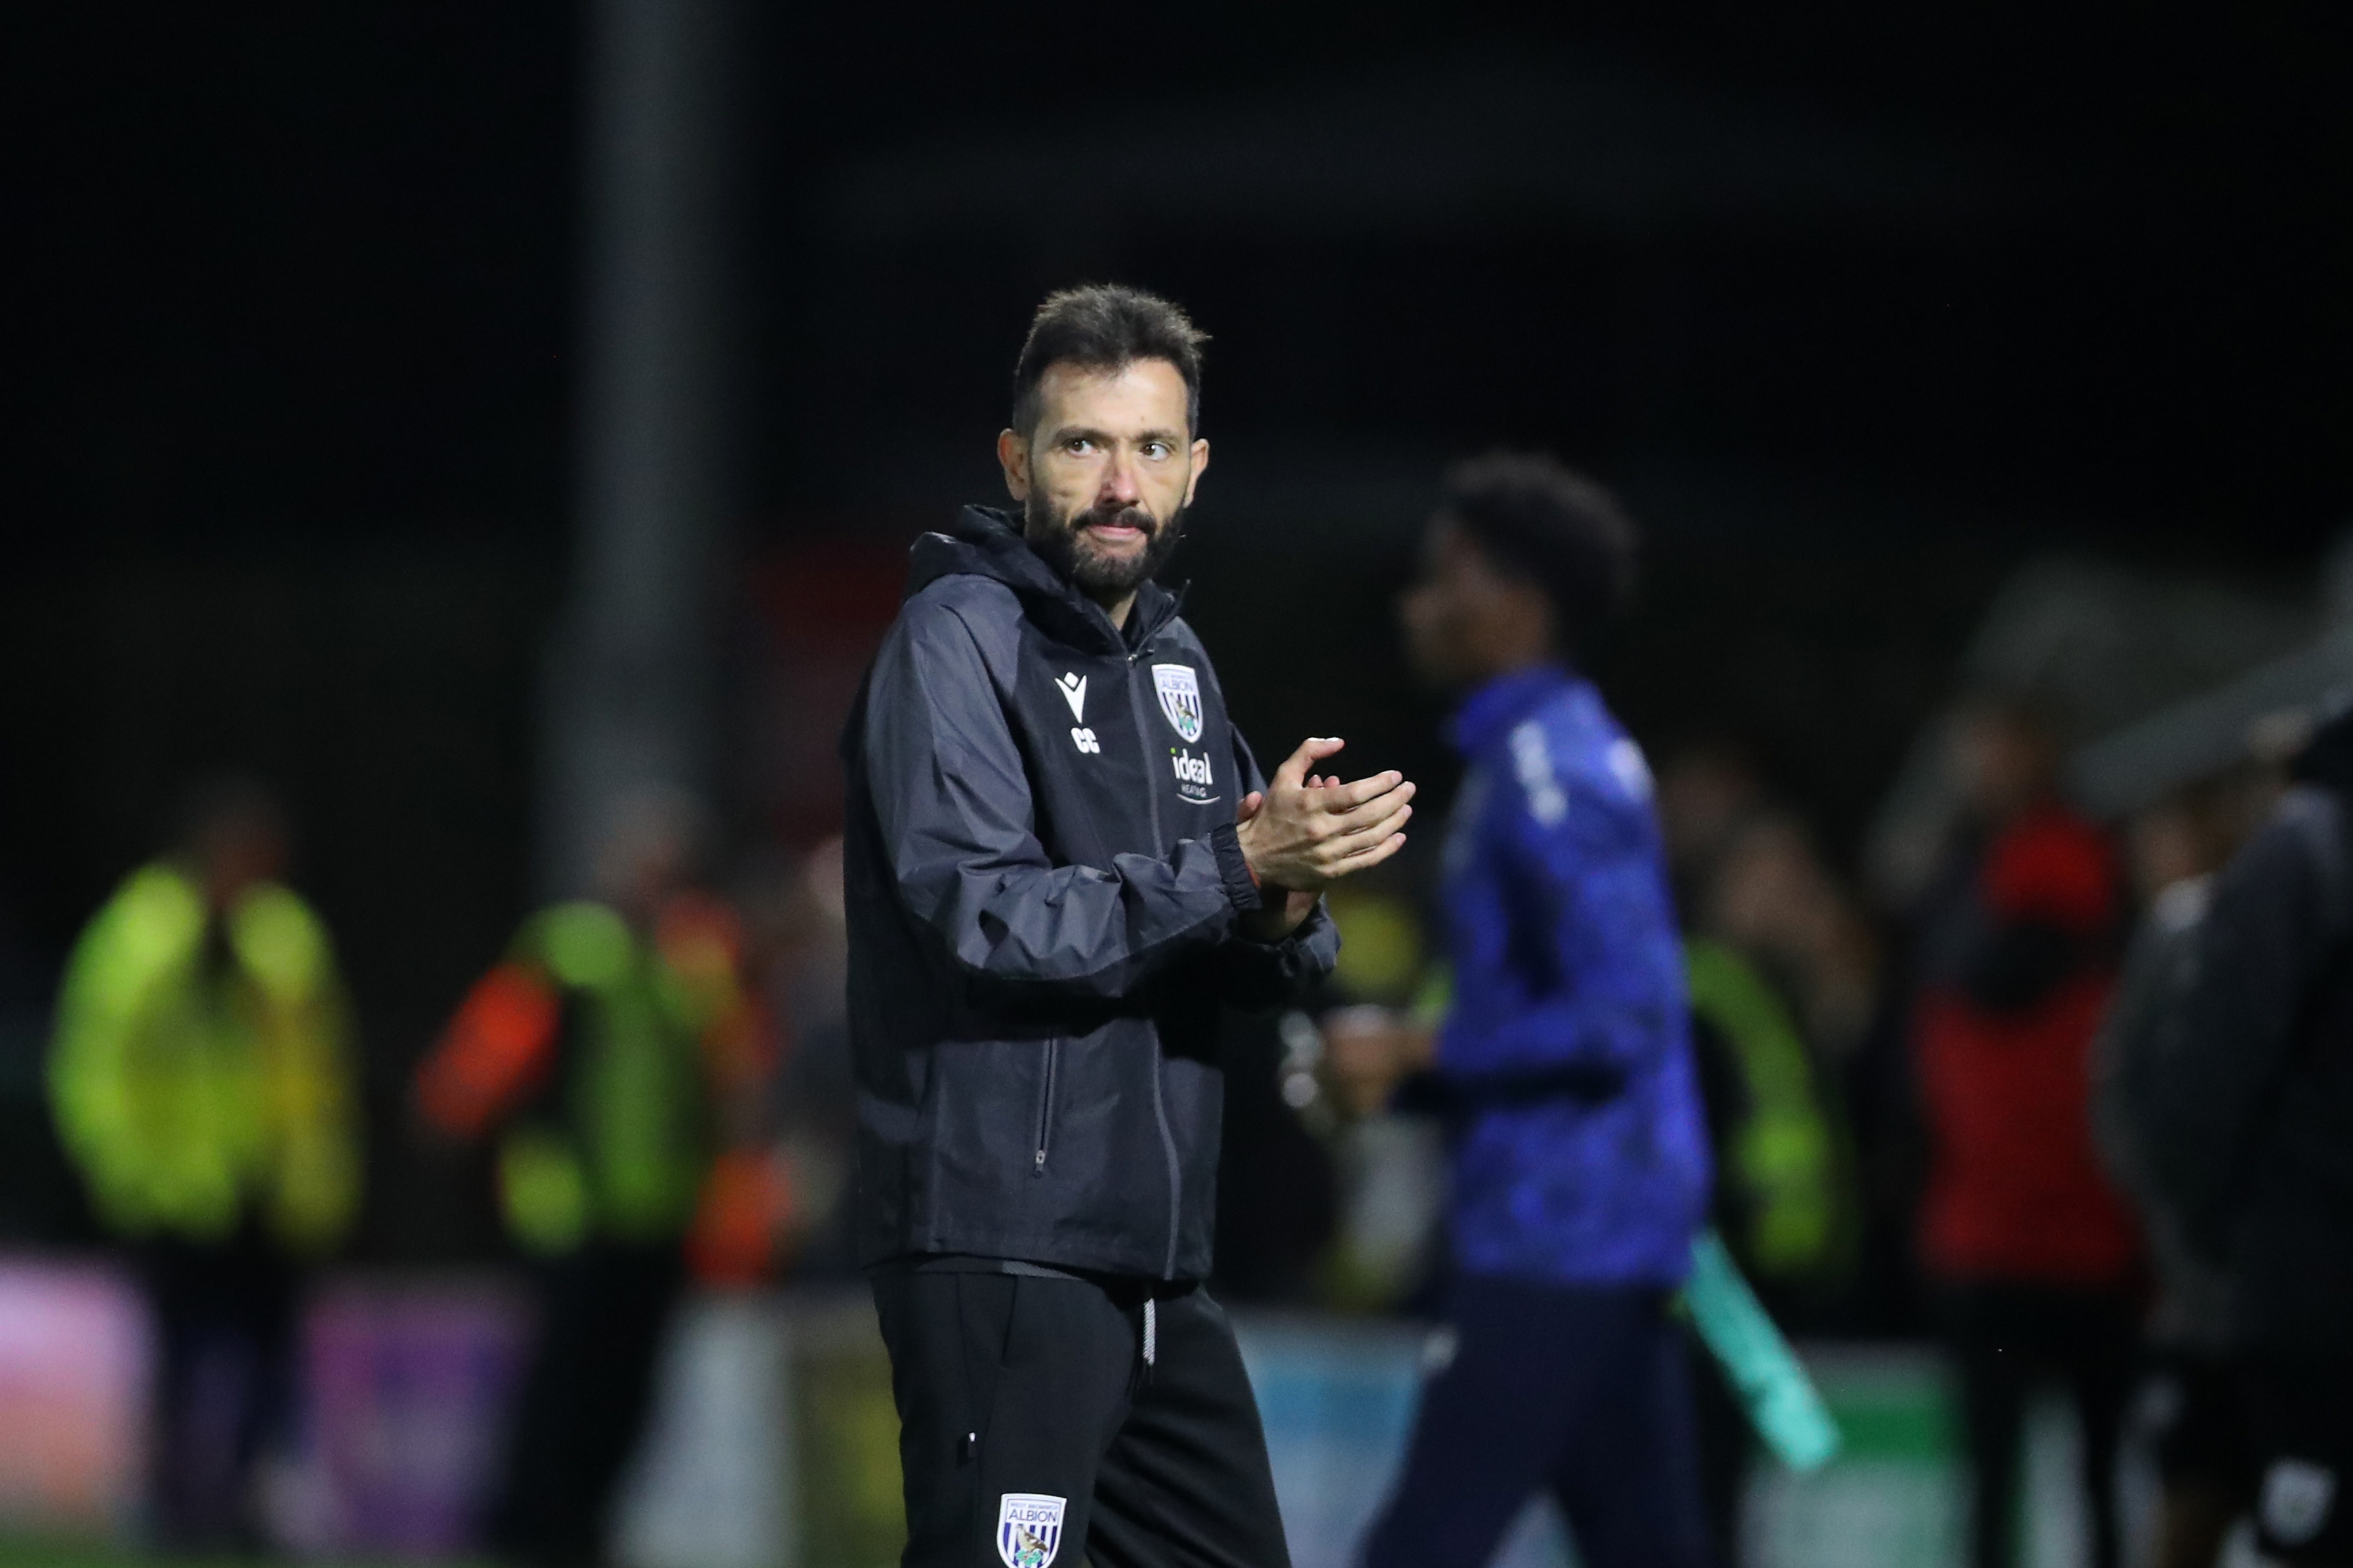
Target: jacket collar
(985, 541)
(1493, 708)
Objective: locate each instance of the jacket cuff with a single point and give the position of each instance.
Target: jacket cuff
(1234, 871)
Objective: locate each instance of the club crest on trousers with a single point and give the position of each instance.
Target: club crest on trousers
(1180, 698)
(1028, 1529)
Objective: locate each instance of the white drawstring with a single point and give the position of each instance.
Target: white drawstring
(1150, 1332)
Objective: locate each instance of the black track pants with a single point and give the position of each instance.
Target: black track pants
(224, 1319)
(1014, 1387)
(2004, 1338)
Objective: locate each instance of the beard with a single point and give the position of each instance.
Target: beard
(1062, 543)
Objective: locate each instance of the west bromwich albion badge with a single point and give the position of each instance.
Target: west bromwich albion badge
(1028, 1529)
(1180, 698)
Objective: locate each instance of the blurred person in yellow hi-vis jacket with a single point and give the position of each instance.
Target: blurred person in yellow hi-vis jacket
(611, 1055)
(201, 1079)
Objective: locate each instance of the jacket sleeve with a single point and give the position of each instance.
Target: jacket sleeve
(499, 1048)
(2276, 914)
(951, 795)
(121, 961)
(1256, 975)
(2132, 1038)
(306, 1031)
(1572, 870)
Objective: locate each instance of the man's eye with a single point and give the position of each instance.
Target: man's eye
(1077, 446)
(1155, 449)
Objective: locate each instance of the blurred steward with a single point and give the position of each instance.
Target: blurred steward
(2191, 1395)
(1749, 876)
(1784, 1177)
(2031, 1253)
(1579, 1149)
(204, 1082)
(2246, 1129)
(608, 1053)
(1782, 977)
(1765, 922)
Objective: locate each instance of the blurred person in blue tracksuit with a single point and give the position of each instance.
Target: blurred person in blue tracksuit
(1579, 1146)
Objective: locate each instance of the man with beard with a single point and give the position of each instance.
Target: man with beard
(1060, 862)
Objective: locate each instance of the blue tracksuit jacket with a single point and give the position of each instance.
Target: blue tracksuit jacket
(1581, 1153)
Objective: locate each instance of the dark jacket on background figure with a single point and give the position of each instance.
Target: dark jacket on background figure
(1043, 882)
(2129, 1066)
(2249, 1111)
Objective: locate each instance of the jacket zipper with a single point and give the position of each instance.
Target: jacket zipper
(1168, 1152)
(1168, 612)
(1046, 1105)
(1143, 718)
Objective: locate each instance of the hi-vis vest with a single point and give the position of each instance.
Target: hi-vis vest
(193, 1086)
(593, 1051)
(1782, 1156)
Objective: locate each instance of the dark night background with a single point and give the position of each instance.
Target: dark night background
(1859, 307)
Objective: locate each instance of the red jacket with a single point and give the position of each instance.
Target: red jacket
(2018, 980)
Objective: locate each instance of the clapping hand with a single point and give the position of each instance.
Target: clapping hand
(1306, 831)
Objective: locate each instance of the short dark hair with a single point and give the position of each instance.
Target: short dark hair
(1100, 327)
(1534, 518)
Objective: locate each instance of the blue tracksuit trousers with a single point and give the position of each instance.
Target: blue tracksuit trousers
(1583, 1390)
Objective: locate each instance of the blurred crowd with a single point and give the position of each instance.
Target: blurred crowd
(1972, 1107)
(651, 1081)
(1933, 1103)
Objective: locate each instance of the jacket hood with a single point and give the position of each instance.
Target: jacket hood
(985, 541)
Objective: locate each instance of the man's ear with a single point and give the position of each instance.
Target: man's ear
(1013, 457)
(1200, 462)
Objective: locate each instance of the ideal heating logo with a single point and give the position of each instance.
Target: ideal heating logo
(1194, 778)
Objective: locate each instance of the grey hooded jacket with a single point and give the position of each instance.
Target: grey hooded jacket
(2247, 1119)
(1043, 883)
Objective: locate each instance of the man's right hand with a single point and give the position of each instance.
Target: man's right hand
(1304, 833)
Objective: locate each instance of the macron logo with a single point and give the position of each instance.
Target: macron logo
(1073, 688)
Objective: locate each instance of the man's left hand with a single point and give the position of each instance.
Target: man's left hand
(1285, 908)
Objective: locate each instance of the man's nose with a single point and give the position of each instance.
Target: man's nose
(1119, 479)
